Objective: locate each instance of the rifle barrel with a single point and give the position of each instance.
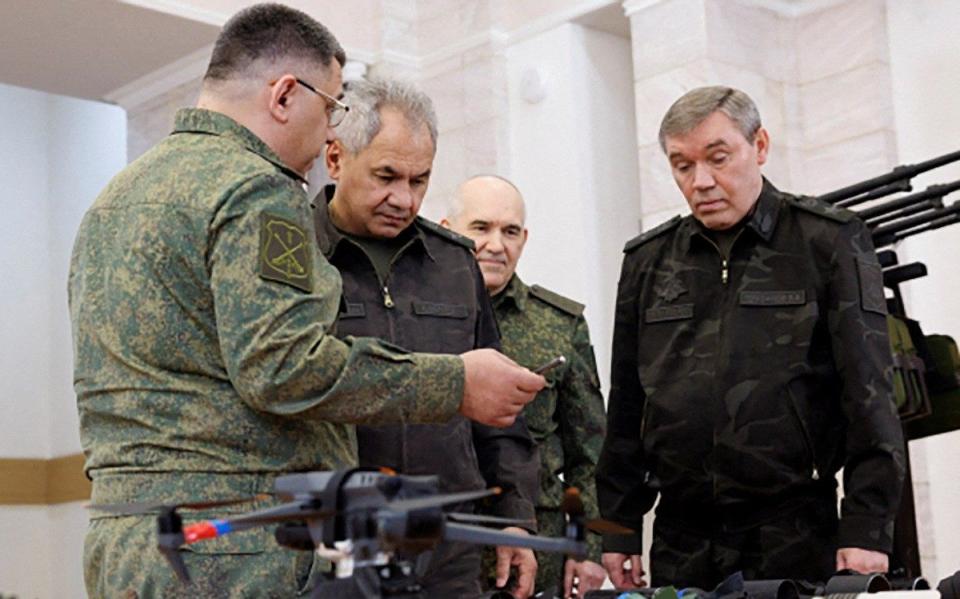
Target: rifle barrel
(933, 204)
(899, 173)
(932, 192)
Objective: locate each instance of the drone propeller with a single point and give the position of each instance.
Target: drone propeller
(138, 508)
(572, 505)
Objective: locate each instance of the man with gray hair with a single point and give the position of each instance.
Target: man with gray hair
(750, 363)
(201, 310)
(416, 284)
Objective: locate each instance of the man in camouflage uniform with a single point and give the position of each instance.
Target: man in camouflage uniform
(416, 284)
(750, 363)
(201, 311)
(536, 325)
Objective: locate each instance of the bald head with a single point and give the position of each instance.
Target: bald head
(490, 210)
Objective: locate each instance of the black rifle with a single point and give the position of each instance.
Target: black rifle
(913, 225)
(896, 180)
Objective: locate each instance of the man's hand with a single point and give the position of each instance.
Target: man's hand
(525, 562)
(863, 561)
(495, 388)
(626, 571)
(586, 576)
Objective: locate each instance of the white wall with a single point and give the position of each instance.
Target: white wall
(573, 157)
(55, 156)
(925, 65)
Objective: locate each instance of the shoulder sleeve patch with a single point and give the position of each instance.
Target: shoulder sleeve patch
(815, 206)
(872, 298)
(446, 233)
(557, 301)
(654, 232)
(285, 252)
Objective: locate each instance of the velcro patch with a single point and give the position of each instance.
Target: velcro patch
(441, 310)
(352, 310)
(872, 298)
(285, 252)
(666, 313)
(773, 298)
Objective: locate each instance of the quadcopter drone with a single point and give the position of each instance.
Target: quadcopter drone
(368, 523)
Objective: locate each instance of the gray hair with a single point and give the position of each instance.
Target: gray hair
(367, 98)
(697, 104)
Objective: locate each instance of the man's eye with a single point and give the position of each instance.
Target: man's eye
(682, 167)
(384, 178)
(719, 158)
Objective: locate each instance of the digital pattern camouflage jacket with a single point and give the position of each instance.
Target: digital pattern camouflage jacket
(736, 383)
(204, 366)
(567, 418)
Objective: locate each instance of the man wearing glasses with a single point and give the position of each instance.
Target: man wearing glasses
(201, 310)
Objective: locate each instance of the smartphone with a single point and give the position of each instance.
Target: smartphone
(542, 369)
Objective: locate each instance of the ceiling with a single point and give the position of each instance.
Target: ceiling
(89, 48)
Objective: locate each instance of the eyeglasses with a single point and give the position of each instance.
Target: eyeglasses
(336, 109)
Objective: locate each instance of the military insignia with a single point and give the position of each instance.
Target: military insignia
(284, 252)
(670, 289)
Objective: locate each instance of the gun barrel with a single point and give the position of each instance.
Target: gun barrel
(933, 204)
(932, 192)
(898, 230)
(899, 173)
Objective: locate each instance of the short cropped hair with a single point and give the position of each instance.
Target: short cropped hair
(697, 104)
(270, 33)
(455, 206)
(367, 98)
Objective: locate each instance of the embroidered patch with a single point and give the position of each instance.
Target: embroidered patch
(773, 298)
(872, 298)
(670, 289)
(666, 313)
(284, 252)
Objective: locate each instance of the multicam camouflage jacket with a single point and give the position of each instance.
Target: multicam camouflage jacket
(567, 417)
(201, 312)
(431, 299)
(736, 381)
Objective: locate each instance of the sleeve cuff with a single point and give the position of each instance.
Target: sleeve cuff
(866, 532)
(439, 388)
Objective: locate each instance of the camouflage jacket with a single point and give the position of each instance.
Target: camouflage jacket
(566, 418)
(201, 312)
(433, 299)
(737, 383)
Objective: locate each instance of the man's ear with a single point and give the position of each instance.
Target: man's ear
(762, 143)
(444, 223)
(334, 157)
(281, 97)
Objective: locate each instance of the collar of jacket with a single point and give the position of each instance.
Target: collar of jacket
(516, 292)
(762, 220)
(329, 236)
(209, 122)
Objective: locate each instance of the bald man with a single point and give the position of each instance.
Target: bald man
(566, 418)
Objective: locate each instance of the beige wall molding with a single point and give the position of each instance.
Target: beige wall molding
(38, 481)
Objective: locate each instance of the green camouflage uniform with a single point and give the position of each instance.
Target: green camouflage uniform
(204, 366)
(740, 387)
(566, 419)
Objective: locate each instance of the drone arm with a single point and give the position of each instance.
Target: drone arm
(209, 529)
(479, 535)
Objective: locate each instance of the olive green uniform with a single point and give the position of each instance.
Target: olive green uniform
(566, 418)
(204, 366)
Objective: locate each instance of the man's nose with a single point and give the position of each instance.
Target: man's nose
(703, 177)
(401, 196)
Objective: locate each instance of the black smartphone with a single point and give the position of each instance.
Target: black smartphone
(542, 369)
